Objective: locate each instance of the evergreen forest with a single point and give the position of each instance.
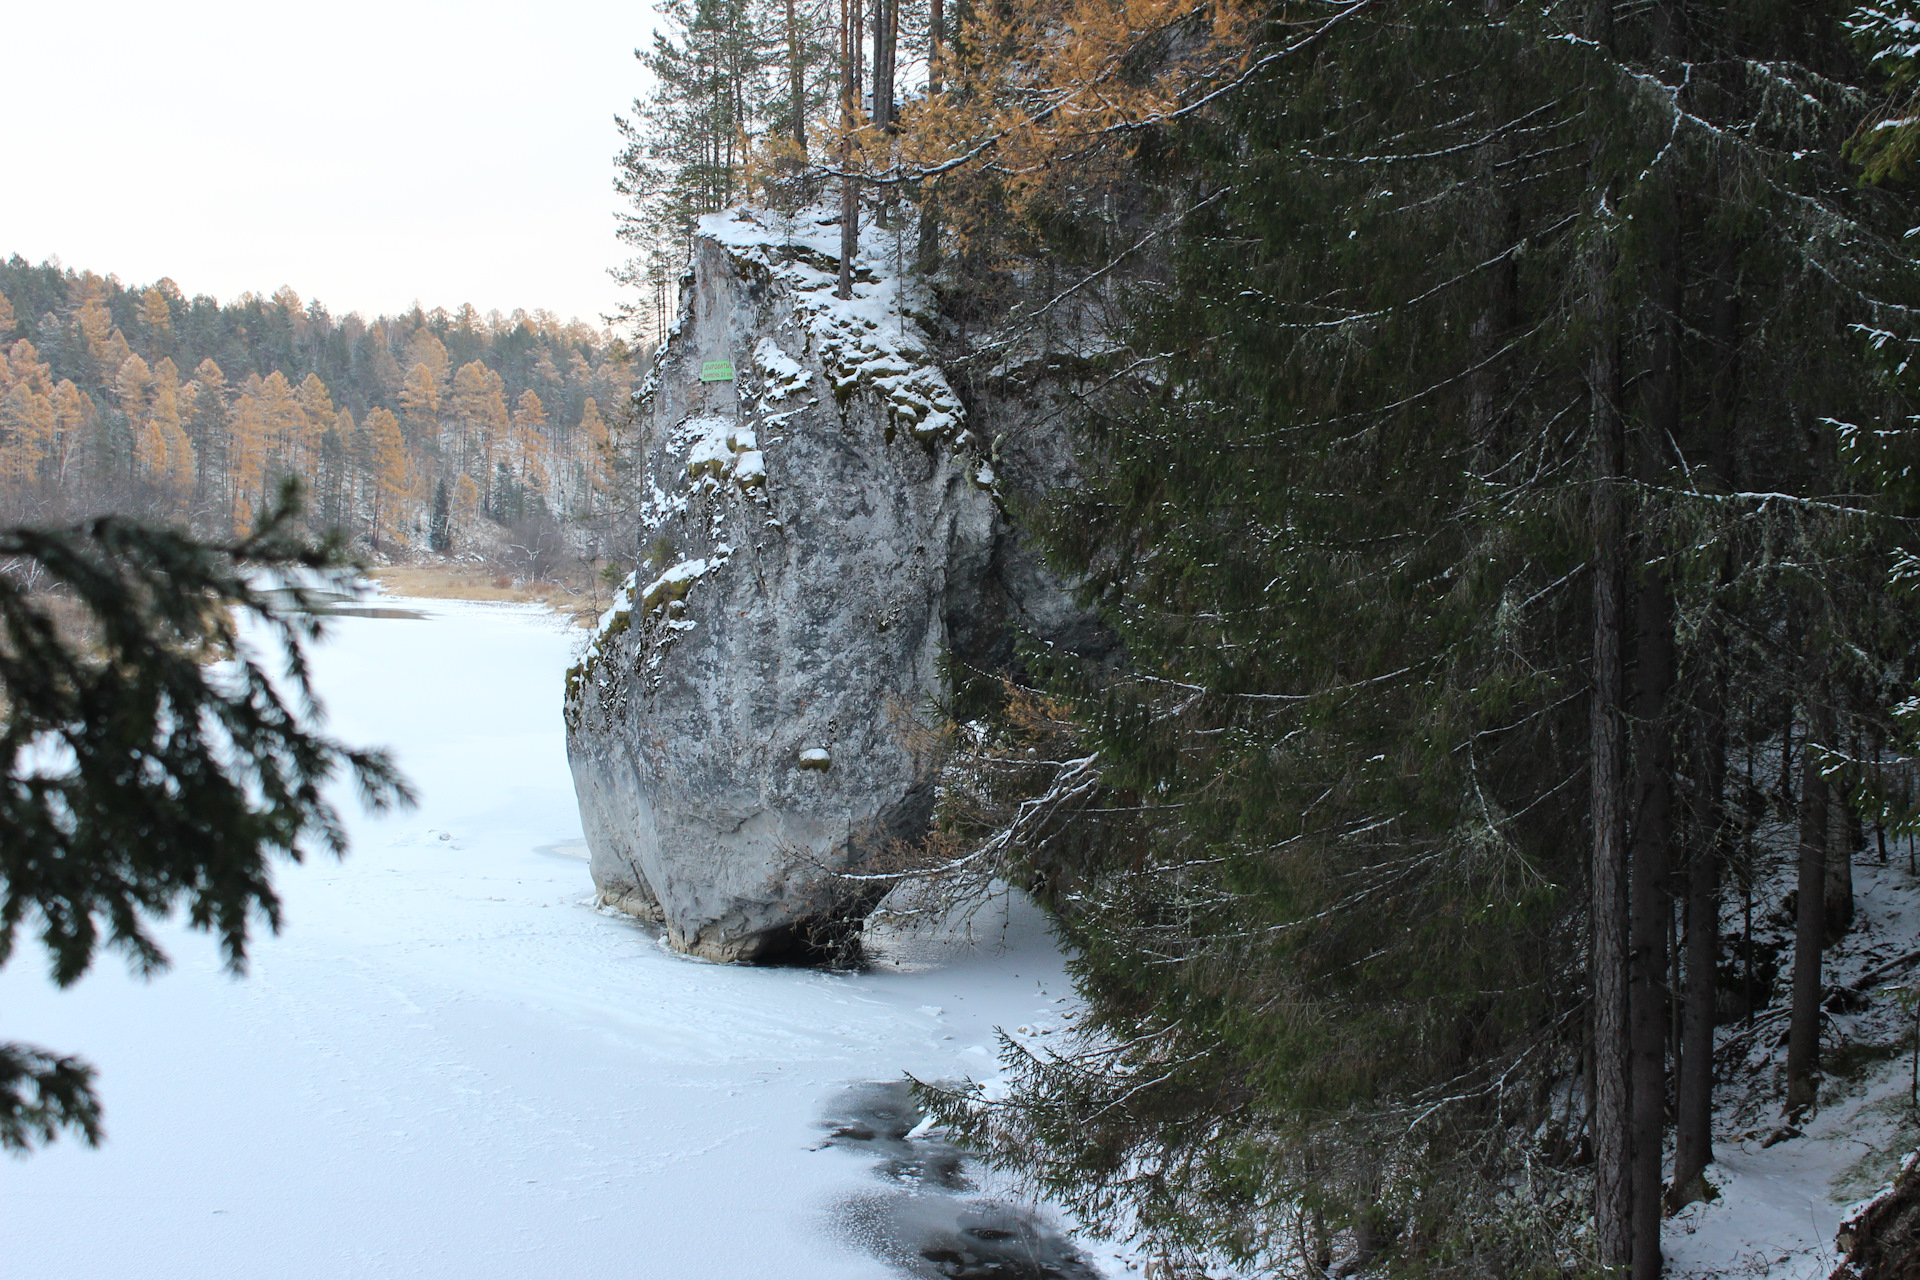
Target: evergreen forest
(1497, 471)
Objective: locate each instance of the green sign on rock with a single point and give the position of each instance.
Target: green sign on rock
(717, 371)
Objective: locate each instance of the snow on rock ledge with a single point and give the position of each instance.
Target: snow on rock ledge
(738, 724)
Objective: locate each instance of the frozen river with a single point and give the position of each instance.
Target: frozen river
(450, 1064)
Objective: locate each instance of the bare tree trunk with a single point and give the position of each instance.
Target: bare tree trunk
(1693, 1094)
(1810, 923)
(1651, 923)
(850, 39)
(886, 19)
(1613, 1171)
(893, 61)
(1652, 909)
(936, 39)
(1607, 979)
(928, 239)
(1837, 897)
(796, 80)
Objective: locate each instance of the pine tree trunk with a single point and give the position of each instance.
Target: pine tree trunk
(1837, 897)
(1613, 1171)
(1693, 1094)
(796, 81)
(928, 239)
(1652, 909)
(1612, 1150)
(850, 114)
(936, 39)
(1649, 944)
(885, 32)
(1810, 922)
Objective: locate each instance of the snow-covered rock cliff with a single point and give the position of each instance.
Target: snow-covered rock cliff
(814, 508)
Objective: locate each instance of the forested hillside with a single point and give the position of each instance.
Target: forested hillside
(408, 430)
(1498, 469)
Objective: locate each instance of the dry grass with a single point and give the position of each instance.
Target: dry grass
(475, 582)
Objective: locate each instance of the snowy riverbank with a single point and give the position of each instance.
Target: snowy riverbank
(450, 1064)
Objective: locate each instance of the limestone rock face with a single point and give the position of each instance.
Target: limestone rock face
(741, 728)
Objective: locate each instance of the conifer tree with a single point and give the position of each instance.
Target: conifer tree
(530, 449)
(171, 453)
(391, 480)
(440, 523)
(131, 385)
(208, 430)
(466, 500)
(420, 403)
(26, 419)
(184, 778)
(426, 348)
(156, 318)
(1427, 541)
(73, 421)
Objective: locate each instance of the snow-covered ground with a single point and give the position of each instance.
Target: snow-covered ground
(451, 1064)
(1784, 1189)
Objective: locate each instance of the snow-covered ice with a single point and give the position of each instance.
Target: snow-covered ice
(450, 1064)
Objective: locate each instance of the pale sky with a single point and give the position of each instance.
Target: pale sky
(369, 153)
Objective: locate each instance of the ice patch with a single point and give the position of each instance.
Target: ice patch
(461, 1063)
(934, 1218)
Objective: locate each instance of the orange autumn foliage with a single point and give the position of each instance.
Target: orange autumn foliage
(1043, 98)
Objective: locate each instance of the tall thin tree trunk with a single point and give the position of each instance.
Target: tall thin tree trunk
(928, 238)
(1613, 1171)
(1837, 896)
(936, 39)
(1693, 1094)
(1652, 909)
(1651, 898)
(1651, 924)
(796, 80)
(885, 26)
(1810, 923)
(850, 40)
(885, 31)
(1613, 1168)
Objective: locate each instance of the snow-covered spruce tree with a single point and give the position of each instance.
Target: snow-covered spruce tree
(1484, 423)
